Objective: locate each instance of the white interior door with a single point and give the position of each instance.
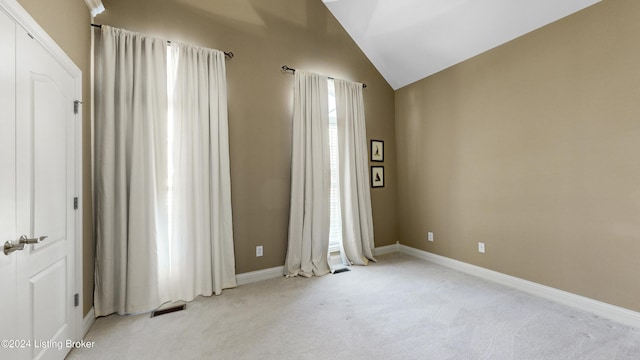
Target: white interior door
(39, 172)
(8, 264)
(45, 168)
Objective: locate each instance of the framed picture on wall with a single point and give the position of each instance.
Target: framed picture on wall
(377, 150)
(377, 176)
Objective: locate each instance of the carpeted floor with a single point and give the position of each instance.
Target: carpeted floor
(399, 308)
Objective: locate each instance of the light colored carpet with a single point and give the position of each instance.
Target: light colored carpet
(399, 308)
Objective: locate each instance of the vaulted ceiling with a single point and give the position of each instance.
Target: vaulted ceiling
(408, 40)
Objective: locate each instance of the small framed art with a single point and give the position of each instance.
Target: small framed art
(377, 176)
(377, 150)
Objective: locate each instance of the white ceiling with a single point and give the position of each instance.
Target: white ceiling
(408, 40)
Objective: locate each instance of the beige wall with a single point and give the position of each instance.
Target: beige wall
(534, 149)
(264, 35)
(67, 22)
(529, 147)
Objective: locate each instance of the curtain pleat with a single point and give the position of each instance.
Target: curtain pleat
(130, 168)
(202, 257)
(355, 197)
(310, 178)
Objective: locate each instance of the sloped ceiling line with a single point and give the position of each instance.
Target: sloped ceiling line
(408, 40)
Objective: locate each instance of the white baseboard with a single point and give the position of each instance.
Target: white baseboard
(88, 321)
(274, 272)
(254, 276)
(387, 249)
(612, 312)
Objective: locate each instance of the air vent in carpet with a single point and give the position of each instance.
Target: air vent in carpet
(338, 271)
(169, 309)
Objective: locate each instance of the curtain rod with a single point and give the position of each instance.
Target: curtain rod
(286, 68)
(229, 54)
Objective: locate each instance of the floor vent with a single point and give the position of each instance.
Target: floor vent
(168, 310)
(338, 271)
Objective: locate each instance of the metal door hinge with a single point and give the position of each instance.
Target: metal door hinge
(75, 203)
(76, 106)
(76, 300)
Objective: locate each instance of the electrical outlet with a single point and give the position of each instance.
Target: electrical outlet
(430, 236)
(481, 247)
(258, 250)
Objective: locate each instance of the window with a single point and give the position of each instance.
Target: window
(335, 221)
(172, 69)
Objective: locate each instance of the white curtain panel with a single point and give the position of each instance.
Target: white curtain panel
(201, 237)
(310, 178)
(130, 168)
(355, 196)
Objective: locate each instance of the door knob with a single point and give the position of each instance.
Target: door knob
(10, 247)
(25, 240)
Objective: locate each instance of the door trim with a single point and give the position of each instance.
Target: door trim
(22, 18)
